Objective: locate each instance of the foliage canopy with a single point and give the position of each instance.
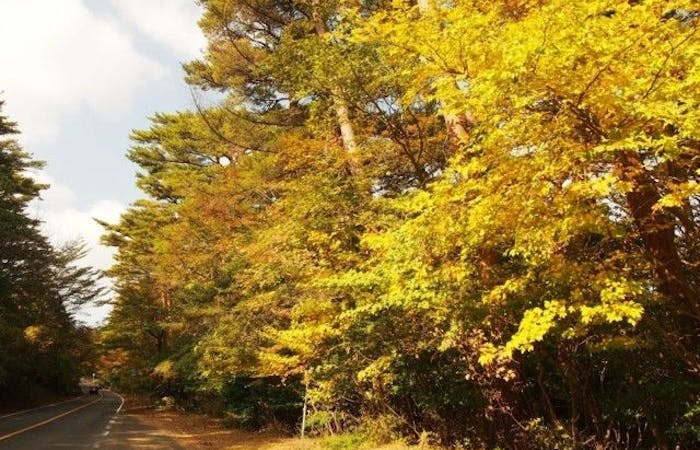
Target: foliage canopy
(468, 218)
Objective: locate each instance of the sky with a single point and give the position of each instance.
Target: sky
(78, 76)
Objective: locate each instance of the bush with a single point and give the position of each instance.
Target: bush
(258, 402)
(383, 429)
(346, 441)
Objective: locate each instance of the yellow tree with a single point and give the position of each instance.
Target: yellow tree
(568, 222)
(584, 104)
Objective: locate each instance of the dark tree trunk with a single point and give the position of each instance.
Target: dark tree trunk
(656, 230)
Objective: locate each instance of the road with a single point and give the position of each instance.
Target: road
(87, 422)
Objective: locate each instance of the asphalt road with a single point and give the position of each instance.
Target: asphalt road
(87, 422)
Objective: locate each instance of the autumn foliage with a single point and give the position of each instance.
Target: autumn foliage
(472, 222)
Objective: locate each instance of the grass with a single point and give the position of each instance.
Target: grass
(350, 441)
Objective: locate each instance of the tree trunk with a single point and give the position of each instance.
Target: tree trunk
(554, 419)
(342, 112)
(572, 381)
(657, 231)
(347, 131)
(454, 123)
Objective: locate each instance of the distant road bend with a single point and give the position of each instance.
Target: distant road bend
(87, 422)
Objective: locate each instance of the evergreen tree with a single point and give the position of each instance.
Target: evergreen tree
(42, 344)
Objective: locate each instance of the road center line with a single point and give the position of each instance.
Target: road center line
(16, 413)
(47, 421)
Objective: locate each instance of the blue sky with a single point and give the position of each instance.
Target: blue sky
(78, 76)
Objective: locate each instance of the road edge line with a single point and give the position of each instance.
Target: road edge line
(47, 421)
(122, 403)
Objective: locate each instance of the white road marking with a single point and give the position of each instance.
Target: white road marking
(113, 419)
(122, 403)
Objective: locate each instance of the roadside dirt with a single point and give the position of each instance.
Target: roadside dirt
(200, 432)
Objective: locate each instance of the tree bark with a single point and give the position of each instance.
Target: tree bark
(342, 112)
(657, 232)
(454, 123)
(347, 132)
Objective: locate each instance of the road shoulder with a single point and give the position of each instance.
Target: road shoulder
(188, 430)
(199, 432)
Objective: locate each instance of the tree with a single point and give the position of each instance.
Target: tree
(514, 243)
(559, 231)
(40, 340)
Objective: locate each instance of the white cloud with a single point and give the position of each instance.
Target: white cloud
(57, 195)
(60, 58)
(62, 62)
(170, 23)
(64, 221)
(65, 224)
